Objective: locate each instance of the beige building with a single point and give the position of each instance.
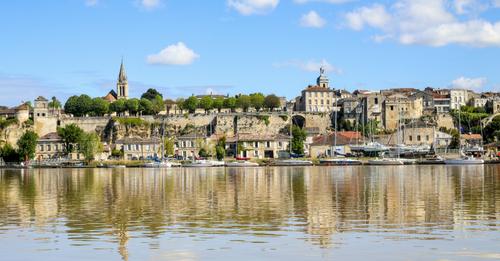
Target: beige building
(371, 103)
(397, 109)
(458, 98)
(49, 146)
(188, 146)
(319, 97)
(258, 146)
(139, 148)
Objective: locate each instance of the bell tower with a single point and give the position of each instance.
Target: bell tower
(122, 84)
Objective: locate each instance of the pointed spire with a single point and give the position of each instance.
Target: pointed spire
(122, 76)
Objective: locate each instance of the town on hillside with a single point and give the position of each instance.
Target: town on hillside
(321, 123)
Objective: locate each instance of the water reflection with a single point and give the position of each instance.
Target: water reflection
(89, 206)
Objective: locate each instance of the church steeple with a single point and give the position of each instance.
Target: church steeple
(122, 84)
(322, 80)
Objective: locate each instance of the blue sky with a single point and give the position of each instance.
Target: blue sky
(184, 47)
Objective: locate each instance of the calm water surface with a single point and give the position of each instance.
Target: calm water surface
(309, 213)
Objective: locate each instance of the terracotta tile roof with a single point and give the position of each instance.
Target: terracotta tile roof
(316, 88)
(472, 136)
(343, 138)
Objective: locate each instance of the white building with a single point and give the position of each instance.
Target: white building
(458, 98)
(319, 97)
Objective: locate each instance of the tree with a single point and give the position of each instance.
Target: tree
(220, 148)
(100, 107)
(55, 103)
(157, 104)
(230, 103)
(272, 102)
(180, 104)
(299, 136)
(169, 147)
(190, 104)
(89, 144)
(70, 134)
(244, 102)
(151, 94)
(118, 106)
(218, 103)
(9, 154)
(146, 106)
(71, 105)
(257, 100)
(206, 103)
(132, 106)
(27, 145)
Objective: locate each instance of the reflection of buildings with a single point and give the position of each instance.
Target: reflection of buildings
(321, 202)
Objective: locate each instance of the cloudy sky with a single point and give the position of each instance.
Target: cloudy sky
(184, 47)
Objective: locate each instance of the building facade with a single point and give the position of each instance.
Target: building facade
(319, 97)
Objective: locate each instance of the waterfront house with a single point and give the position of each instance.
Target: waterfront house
(257, 146)
(139, 148)
(327, 145)
(50, 146)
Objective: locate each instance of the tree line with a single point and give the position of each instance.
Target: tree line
(258, 101)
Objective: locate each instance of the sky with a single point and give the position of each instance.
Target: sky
(183, 47)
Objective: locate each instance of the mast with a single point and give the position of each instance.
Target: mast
(335, 133)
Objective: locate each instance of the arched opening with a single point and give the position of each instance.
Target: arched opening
(299, 121)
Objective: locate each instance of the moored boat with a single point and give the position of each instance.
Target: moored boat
(464, 160)
(339, 162)
(241, 164)
(385, 161)
(293, 162)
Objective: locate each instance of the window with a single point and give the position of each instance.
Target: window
(328, 102)
(48, 147)
(322, 101)
(427, 137)
(376, 100)
(418, 137)
(41, 147)
(256, 153)
(410, 138)
(256, 144)
(147, 148)
(280, 144)
(392, 108)
(268, 144)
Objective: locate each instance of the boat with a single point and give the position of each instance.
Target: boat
(431, 160)
(339, 161)
(293, 162)
(407, 161)
(464, 160)
(386, 161)
(204, 164)
(157, 164)
(241, 164)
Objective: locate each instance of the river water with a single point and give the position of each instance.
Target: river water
(299, 213)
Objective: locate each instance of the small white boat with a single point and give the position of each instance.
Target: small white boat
(217, 163)
(339, 162)
(408, 161)
(431, 160)
(385, 161)
(154, 164)
(464, 160)
(293, 162)
(204, 163)
(241, 164)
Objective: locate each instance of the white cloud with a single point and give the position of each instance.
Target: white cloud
(374, 16)
(249, 7)
(475, 84)
(312, 19)
(426, 22)
(91, 2)
(150, 4)
(309, 66)
(324, 1)
(176, 54)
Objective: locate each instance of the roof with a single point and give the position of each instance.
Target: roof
(316, 88)
(137, 140)
(111, 96)
(257, 137)
(343, 138)
(50, 136)
(191, 136)
(41, 98)
(122, 76)
(472, 136)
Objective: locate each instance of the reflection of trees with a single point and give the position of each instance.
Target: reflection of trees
(319, 201)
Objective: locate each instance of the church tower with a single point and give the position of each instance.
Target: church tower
(322, 80)
(122, 84)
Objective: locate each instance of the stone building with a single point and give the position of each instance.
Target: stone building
(258, 146)
(188, 146)
(479, 102)
(139, 148)
(398, 108)
(319, 97)
(458, 98)
(329, 145)
(441, 103)
(493, 105)
(49, 146)
(371, 103)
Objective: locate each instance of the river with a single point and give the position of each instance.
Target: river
(274, 213)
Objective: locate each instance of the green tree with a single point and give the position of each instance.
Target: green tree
(158, 105)
(218, 104)
(272, 102)
(89, 145)
(118, 106)
(27, 145)
(257, 100)
(146, 107)
(100, 107)
(9, 154)
(230, 103)
(220, 148)
(132, 106)
(151, 94)
(55, 103)
(190, 104)
(70, 134)
(244, 102)
(299, 136)
(169, 147)
(71, 105)
(206, 103)
(180, 103)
